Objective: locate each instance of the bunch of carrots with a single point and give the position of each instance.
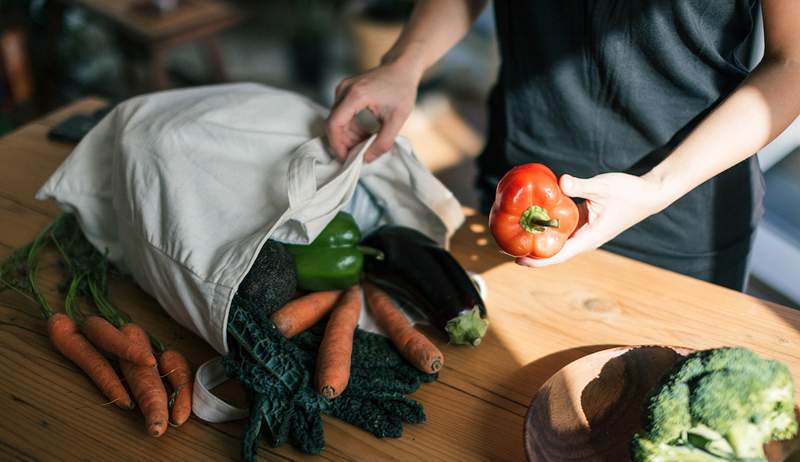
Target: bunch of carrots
(81, 339)
(335, 351)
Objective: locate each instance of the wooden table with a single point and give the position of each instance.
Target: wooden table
(541, 320)
(143, 31)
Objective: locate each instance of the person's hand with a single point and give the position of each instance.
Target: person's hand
(388, 91)
(614, 202)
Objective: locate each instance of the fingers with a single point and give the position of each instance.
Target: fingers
(583, 240)
(341, 89)
(591, 188)
(342, 127)
(386, 136)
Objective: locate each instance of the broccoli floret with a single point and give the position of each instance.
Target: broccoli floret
(718, 405)
(646, 450)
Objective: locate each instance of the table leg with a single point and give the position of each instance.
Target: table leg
(159, 77)
(132, 55)
(54, 13)
(215, 60)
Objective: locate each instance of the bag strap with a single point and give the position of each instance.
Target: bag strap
(302, 175)
(206, 405)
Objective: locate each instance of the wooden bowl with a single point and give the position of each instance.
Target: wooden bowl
(590, 409)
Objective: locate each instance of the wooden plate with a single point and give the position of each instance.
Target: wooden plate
(590, 409)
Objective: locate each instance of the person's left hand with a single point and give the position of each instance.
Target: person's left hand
(614, 202)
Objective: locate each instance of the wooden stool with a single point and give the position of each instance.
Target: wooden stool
(145, 32)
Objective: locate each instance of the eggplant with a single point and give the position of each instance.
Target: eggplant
(424, 278)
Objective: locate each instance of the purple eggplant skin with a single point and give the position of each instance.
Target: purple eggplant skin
(424, 278)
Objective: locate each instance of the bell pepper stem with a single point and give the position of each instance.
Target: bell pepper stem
(535, 219)
(371, 252)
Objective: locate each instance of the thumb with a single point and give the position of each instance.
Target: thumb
(579, 187)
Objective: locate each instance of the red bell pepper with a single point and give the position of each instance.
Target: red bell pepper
(531, 217)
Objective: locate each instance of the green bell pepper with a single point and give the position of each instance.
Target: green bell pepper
(334, 260)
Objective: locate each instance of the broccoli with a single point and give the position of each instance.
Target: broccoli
(717, 405)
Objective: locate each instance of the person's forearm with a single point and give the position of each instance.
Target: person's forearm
(434, 27)
(752, 116)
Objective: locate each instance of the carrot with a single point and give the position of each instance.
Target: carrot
(104, 335)
(335, 351)
(413, 346)
(146, 385)
(176, 368)
(69, 342)
(302, 313)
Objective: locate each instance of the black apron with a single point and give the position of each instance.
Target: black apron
(594, 86)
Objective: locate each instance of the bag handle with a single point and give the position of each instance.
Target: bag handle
(302, 175)
(302, 179)
(208, 406)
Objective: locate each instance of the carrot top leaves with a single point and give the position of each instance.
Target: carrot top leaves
(85, 276)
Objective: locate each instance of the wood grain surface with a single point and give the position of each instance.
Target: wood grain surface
(540, 321)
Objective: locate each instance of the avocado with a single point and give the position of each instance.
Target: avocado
(272, 280)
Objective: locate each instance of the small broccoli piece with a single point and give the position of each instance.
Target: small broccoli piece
(718, 405)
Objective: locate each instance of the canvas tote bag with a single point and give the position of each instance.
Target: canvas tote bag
(182, 188)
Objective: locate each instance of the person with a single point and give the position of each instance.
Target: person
(643, 109)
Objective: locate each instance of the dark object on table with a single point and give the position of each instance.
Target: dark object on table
(424, 278)
(75, 127)
(272, 280)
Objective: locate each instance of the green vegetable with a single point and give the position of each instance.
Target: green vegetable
(83, 282)
(285, 407)
(718, 405)
(334, 260)
(272, 280)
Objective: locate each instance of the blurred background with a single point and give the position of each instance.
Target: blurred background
(54, 52)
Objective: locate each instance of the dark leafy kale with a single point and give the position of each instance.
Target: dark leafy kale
(286, 408)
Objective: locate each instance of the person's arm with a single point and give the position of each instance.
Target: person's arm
(752, 116)
(389, 90)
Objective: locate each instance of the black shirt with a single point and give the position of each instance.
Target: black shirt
(594, 86)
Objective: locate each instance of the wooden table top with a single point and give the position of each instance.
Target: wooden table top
(145, 22)
(540, 321)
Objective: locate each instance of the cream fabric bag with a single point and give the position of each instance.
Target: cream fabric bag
(182, 188)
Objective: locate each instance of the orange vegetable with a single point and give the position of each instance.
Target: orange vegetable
(333, 360)
(105, 336)
(302, 313)
(66, 338)
(413, 346)
(146, 385)
(176, 369)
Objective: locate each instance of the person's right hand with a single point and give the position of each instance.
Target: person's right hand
(388, 91)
